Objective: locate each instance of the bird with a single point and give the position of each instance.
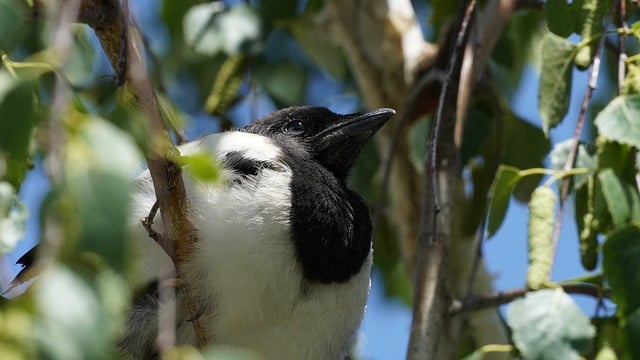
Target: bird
(282, 262)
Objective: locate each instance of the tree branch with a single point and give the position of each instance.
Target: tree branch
(441, 165)
(476, 302)
(573, 152)
(110, 23)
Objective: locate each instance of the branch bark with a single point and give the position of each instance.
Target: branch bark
(374, 36)
(111, 24)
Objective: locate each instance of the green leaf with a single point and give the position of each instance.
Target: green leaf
(631, 83)
(173, 13)
(592, 12)
(285, 82)
(635, 28)
(82, 62)
(75, 320)
(12, 14)
(275, 10)
(210, 28)
(621, 264)
(202, 166)
(584, 159)
(620, 120)
(525, 147)
(17, 121)
(592, 219)
(618, 157)
(622, 200)
(505, 180)
(225, 86)
(547, 324)
(13, 218)
(563, 17)
(310, 32)
(555, 79)
(97, 186)
(632, 331)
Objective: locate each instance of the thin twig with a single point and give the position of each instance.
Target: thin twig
(402, 120)
(429, 304)
(571, 158)
(475, 303)
(109, 22)
(621, 22)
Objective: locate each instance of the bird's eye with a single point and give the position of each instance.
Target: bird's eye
(295, 127)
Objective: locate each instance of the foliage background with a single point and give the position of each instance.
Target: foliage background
(222, 64)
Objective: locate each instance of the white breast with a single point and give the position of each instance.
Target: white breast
(245, 266)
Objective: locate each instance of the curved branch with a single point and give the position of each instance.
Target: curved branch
(476, 302)
(110, 22)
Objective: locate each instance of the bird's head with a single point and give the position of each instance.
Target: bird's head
(331, 139)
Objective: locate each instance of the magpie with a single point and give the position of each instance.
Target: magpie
(284, 253)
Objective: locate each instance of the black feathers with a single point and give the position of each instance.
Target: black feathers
(245, 166)
(331, 227)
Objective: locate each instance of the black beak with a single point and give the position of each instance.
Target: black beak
(338, 146)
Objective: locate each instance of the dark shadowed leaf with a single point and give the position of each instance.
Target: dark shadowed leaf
(173, 14)
(12, 14)
(548, 325)
(506, 179)
(621, 198)
(525, 147)
(555, 79)
(563, 17)
(284, 81)
(18, 118)
(632, 330)
(274, 10)
(321, 47)
(621, 264)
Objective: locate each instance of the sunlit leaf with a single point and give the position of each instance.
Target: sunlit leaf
(202, 166)
(620, 120)
(584, 159)
(226, 85)
(211, 28)
(555, 79)
(99, 182)
(82, 63)
(13, 218)
(631, 83)
(77, 321)
(548, 325)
